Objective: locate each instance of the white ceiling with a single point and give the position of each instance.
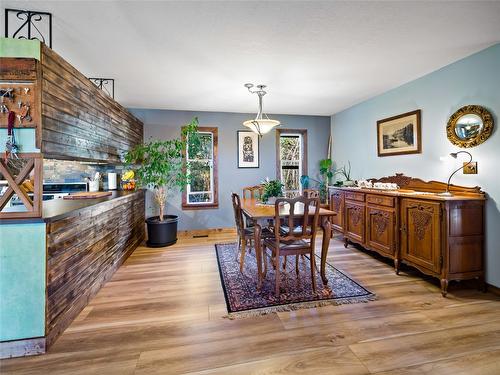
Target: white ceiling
(316, 57)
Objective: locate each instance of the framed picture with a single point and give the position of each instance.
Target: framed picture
(248, 149)
(399, 135)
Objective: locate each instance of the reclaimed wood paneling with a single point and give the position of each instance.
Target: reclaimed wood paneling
(81, 122)
(83, 252)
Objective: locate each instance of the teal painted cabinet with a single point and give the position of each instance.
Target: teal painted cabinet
(22, 281)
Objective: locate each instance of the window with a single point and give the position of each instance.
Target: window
(202, 192)
(291, 159)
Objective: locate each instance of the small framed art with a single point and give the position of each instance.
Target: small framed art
(399, 135)
(248, 149)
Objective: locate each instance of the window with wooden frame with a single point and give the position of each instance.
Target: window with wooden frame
(291, 159)
(201, 164)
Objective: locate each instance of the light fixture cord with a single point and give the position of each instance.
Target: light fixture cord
(459, 168)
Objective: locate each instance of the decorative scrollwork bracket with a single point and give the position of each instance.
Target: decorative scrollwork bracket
(105, 84)
(28, 24)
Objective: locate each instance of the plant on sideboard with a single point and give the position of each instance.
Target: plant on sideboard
(345, 171)
(161, 167)
(272, 189)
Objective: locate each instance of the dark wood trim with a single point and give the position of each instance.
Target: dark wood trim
(186, 206)
(419, 133)
(303, 133)
(22, 348)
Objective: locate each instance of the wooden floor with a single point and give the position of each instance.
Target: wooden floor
(162, 314)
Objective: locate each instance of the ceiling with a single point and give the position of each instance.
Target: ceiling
(316, 57)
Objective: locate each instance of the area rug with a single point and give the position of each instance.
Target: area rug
(244, 300)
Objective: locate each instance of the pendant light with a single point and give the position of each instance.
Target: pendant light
(261, 124)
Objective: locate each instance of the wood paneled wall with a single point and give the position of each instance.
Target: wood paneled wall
(83, 252)
(80, 121)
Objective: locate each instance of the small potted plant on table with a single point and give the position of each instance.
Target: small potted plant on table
(160, 166)
(273, 189)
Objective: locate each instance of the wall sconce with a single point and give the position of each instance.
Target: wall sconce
(447, 193)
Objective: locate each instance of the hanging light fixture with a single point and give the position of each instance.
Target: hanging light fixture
(261, 124)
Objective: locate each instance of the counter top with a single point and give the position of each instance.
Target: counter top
(414, 194)
(57, 209)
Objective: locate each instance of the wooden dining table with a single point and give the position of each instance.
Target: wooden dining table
(255, 211)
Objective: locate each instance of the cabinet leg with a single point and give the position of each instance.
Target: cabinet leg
(444, 287)
(481, 284)
(396, 266)
(346, 242)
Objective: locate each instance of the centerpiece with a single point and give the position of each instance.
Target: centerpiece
(273, 189)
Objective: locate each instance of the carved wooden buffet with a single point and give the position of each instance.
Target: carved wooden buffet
(440, 236)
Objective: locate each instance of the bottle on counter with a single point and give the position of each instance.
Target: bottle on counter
(112, 181)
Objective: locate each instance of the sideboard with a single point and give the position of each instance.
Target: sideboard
(440, 236)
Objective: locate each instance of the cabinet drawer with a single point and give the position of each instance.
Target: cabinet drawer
(360, 197)
(380, 200)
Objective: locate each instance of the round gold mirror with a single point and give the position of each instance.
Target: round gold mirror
(469, 126)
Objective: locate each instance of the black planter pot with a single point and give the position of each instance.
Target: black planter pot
(162, 233)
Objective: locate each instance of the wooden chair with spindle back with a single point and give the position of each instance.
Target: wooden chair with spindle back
(253, 192)
(310, 193)
(292, 239)
(245, 234)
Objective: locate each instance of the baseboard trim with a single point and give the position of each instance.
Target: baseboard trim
(493, 289)
(205, 232)
(22, 348)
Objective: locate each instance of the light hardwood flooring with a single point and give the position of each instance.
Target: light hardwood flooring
(162, 314)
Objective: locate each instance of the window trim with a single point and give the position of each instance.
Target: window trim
(215, 161)
(284, 132)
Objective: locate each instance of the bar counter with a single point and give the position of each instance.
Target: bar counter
(87, 240)
(58, 209)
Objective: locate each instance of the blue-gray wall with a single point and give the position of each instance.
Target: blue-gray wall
(473, 80)
(164, 124)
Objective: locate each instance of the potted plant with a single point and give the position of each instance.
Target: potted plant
(160, 166)
(346, 172)
(272, 189)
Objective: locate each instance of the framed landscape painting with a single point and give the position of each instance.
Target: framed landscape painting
(399, 135)
(248, 149)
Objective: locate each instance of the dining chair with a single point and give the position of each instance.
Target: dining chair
(290, 238)
(253, 192)
(245, 233)
(310, 193)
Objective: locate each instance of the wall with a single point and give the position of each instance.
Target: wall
(164, 124)
(473, 80)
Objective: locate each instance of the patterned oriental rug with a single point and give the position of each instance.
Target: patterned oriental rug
(244, 300)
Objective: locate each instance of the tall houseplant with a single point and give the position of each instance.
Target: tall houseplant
(161, 167)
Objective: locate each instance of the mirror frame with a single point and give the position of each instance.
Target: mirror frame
(483, 135)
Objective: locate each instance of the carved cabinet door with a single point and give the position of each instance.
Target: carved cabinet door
(380, 231)
(355, 221)
(421, 233)
(337, 205)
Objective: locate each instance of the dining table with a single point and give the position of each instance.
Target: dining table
(256, 211)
